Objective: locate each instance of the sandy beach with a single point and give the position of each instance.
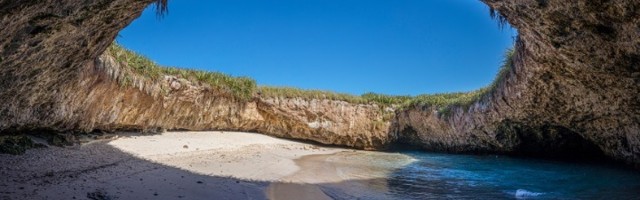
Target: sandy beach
(194, 165)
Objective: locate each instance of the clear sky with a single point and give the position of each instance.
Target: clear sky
(401, 47)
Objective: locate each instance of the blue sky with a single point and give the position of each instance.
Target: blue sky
(402, 47)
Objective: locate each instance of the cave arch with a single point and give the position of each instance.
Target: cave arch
(575, 67)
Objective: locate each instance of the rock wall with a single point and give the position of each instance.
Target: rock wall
(44, 47)
(54, 78)
(573, 89)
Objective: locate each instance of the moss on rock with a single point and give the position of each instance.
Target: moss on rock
(16, 145)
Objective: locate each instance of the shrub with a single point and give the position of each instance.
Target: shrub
(239, 87)
(367, 98)
(244, 88)
(445, 101)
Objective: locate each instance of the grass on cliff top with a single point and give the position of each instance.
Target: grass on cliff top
(239, 87)
(246, 88)
(290, 92)
(445, 101)
(441, 100)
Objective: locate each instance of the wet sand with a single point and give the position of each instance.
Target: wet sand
(341, 175)
(193, 165)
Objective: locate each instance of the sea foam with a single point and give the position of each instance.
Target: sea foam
(524, 194)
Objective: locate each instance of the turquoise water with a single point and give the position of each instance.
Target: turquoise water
(451, 176)
(446, 176)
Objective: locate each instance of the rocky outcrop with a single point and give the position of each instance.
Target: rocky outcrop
(44, 48)
(573, 89)
(99, 102)
(54, 78)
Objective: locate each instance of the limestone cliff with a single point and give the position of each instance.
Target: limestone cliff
(573, 88)
(45, 46)
(99, 102)
(54, 78)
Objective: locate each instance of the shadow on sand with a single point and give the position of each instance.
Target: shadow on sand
(98, 170)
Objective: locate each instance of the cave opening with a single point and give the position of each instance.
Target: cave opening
(353, 48)
(547, 141)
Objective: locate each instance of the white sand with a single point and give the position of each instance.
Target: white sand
(185, 165)
(246, 156)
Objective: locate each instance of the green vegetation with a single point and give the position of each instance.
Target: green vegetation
(16, 145)
(239, 87)
(290, 92)
(245, 88)
(445, 101)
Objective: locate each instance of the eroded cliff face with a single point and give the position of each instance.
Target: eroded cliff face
(44, 47)
(53, 77)
(573, 89)
(98, 101)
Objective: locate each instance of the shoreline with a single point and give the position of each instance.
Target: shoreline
(175, 165)
(236, 165)
(340, 175)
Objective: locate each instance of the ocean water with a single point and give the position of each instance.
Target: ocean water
(450, 176)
